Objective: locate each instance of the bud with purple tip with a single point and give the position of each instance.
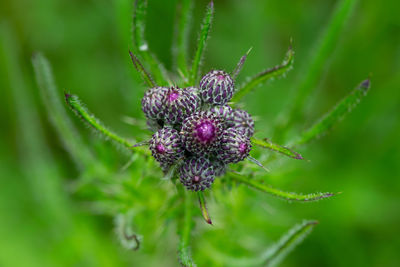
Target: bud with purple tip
(234, 146)
(201, 132)
(153, 103)
(216, 87)
(242, 122)
(224, 112)
(180, 103)
(165, 146)
(197, 173)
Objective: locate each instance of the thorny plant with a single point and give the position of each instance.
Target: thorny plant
(174, 122)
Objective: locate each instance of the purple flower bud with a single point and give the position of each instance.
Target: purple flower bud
(197, 173)
(153, 103)
(224, 112)
(216, 87)
(219, 167)
(234, 146)
(201, 132)
(242, 122)
(180, 103)
(165, 146)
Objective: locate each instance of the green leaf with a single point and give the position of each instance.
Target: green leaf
(181, 40)
(205, 29)
(338, 113)
(184, 230)
(263, 77)
(279, 193)
(277, 252)
(81, 111)
(203, 208)
(142, 71)
(51, 98)
(314, 66)
(288, 242)
(266, 143)
(240, 64)
(141, 48)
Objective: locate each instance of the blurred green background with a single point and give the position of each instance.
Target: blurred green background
(43, 224)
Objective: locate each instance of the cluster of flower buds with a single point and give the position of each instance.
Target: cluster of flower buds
(196, 130)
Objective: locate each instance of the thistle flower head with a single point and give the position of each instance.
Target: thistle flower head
(201, 132)
(234, 146)
(197, 173)
(219, 167)
(180, 103)
(153, 103)
(242, 122)
(224, 112)
(165, 146)
(216, 87)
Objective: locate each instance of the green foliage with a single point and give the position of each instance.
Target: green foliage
(57, 114)
(82, 112)
(44, 190)
(276, 253)
(266, 143)
(205, 28)
(182, 27)
(203, 207)
(185, 228)
(141, 46)
(314, 66)
(344, 107)
(277, 192)
(264, 76)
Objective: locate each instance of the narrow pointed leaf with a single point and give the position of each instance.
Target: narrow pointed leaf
(277, 252)
(141, 47)
(57, 113)
(182, 26)
(203, 208)
(240, 64)
(338, 113)
(205, 28)
(259, 164)
(266, 143)
(184, 231)
(267, 75)
(313, 68)
(279, 193)
(288, 242)
(146, 77)
(81, 111)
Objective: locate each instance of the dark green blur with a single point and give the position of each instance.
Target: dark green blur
(87, 42)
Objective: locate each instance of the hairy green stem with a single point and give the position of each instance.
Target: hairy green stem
(81, 111)
(338, 113)
(279, 193)
(267, 75)
(205, 28)
(314, 66)
(266, 143)
(51, 99)
(141, 47)
(181, 40)
(185, 230)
